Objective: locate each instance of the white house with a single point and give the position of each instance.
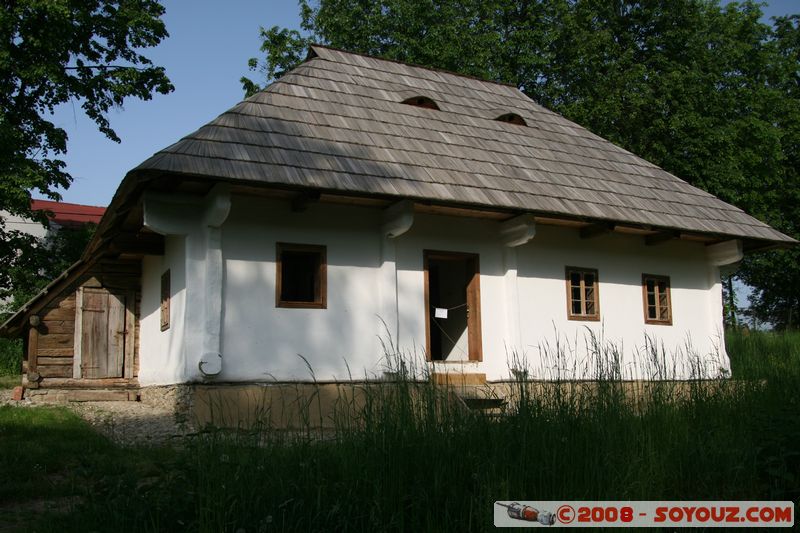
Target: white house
(357, 202)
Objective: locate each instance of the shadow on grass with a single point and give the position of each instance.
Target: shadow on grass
(402, 460)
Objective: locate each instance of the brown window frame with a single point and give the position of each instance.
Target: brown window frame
(320, 281)
(568, 279)
(165, 299)
(657, 278)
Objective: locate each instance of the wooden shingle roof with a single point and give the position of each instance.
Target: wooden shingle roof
(337, 123)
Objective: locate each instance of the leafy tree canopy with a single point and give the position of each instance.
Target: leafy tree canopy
(52, 52)
(708, 92)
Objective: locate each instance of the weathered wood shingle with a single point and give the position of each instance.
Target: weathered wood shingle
(337, 122)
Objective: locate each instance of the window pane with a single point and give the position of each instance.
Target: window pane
(588, 280)
(590, 307)
(165, 297)
(662, 299)
(575, 279)
(663, 313)
(651, 312)
(589, 297)
(299, 276)
(576, 293)
(650, 285)
(576, 307)
(651, 299)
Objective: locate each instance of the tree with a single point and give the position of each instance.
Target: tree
(775, 275)
(709, 93)
(52, 52)
(42, 260)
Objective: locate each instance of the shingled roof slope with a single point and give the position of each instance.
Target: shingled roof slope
(336, 123)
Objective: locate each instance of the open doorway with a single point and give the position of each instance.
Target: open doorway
(452, 306)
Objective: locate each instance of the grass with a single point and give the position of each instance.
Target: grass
(10, 381)
(10, 357)
(408, 461)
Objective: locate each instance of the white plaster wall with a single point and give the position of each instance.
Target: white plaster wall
(549, 345)
(448, 234)
(523, 299)
(621, 260)
(261, 341)
(161, 353)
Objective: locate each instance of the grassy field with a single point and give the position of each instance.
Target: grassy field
(412, 465)
(10, 357)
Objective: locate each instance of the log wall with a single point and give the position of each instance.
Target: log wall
(50, 346)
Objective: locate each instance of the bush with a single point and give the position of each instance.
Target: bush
(10, 357)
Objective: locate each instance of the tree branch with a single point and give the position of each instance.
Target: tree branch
(104, 67)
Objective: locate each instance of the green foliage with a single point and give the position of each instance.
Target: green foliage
(764, 354)
(709, 93)
(41, 261)
(10, 357)
(58, 51)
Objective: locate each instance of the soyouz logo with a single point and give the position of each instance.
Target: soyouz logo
(644, 514)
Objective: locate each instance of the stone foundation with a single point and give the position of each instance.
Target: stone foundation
(323, 406)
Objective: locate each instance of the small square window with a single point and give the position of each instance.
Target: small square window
(301, 279)
(165, 296)
(583, 299)
(657, 300)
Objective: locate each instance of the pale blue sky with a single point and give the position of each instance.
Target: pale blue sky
(205, 55)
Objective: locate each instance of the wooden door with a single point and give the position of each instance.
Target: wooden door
(103, 334)
(461, 272)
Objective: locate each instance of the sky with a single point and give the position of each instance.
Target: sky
(204, 56)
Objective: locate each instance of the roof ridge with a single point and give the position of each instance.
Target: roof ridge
(405, 63)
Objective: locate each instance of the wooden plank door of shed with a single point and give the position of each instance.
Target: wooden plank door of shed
(103, 334)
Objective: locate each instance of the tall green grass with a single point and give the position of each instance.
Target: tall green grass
(409, 458)
(10, 357)
(764, 354)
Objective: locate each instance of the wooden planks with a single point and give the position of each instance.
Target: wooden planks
(110, 339)
(336, 126)
(102, 333)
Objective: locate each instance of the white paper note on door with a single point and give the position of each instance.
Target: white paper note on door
(440, 313)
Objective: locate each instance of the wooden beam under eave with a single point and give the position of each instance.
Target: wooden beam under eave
(301, 201)
(595, 230)
(140, 244)
(33, 353)
(661, 237)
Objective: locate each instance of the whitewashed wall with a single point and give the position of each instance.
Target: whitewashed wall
(621, 260)
(261, 341)
(523, 310)
(161, 353)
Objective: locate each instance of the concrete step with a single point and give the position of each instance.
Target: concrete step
(477, 400)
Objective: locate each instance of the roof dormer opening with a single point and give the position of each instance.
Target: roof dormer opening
(421, 101)
(512, 118)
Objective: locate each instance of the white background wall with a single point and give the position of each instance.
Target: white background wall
(262, 342)
(161, 356)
